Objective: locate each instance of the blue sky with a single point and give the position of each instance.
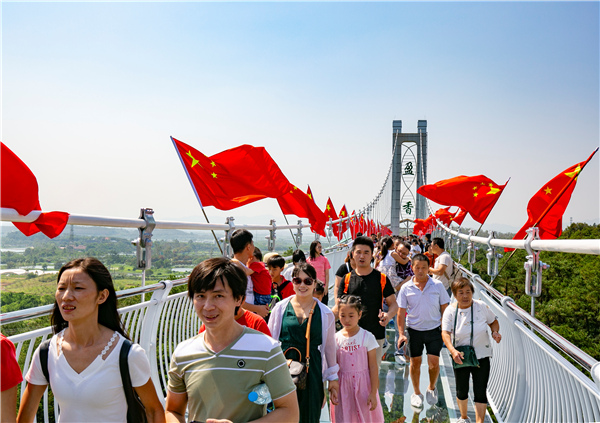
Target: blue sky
(92, 92)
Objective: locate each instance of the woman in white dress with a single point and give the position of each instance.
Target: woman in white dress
(83, 356)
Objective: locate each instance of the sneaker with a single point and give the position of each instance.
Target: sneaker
(400, 360)
(416, 401)
(385, 345)
(432, 396)
(461, 420)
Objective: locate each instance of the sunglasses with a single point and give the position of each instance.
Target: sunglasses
(307, 281)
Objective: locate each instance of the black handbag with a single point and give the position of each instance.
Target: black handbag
(470, 358)
(136, 413)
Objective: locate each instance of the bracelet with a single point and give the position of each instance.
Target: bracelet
(495, 332)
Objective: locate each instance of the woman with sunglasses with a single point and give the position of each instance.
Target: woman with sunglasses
(289, 324)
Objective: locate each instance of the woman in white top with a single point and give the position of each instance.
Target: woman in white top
(83, 358)
(483, 317)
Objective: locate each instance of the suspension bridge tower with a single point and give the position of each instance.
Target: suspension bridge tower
(409, 172)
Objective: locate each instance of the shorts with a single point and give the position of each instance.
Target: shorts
(431, 339)
(260, 299)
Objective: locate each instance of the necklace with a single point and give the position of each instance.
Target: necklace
(102, 354)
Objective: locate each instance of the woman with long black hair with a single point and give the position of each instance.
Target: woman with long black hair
(83, 355)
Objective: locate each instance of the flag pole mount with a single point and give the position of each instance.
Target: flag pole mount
(533, 268)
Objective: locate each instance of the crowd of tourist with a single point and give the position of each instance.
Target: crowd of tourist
(265, 323)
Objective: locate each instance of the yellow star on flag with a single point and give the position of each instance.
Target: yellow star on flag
(548, 190)
(214, 175)
(574, 173)
(310, 196)
(343, 213)
(213, 164)
(328, 208)
(475, 194)
(475, 187)
(194, 161)
(493, 190)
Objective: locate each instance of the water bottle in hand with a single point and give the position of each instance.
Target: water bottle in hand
(260, 394)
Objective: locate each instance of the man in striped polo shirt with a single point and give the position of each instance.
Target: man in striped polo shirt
(212, 373)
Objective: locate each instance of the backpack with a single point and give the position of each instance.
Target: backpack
(279, 290)
(382, 281)
(454, 273)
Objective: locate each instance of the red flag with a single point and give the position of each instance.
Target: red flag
(353, 225)
(234, 177)
(459, 217)
(420, 227)
(19, 190)
(443, 215)
(430, 224)
(309, 193)
(547, 206)
(345, 224)
(385, 231)
(475, 194)
(330, 210)
(298, 203)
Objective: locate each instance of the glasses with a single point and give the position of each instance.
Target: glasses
(307, 281)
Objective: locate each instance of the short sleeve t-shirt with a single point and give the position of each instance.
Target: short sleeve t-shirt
(217, 384)
(343, 270)
(363, 338)
(444, 258)
(483, 316)
(11, 372)
(97, 390)
(261, 279)
(321, 265)
(368, 288)
(288, 288)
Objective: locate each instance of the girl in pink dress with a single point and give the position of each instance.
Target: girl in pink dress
(358, 374)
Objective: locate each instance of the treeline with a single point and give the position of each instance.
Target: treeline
(570, 299)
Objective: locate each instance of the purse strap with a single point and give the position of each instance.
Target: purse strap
(455, 318)
(310, 315)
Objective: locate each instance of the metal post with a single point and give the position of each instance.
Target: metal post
(298, 237)
(396, 175)
(144, 244)
(226, 245)
(533, 268)
(272, 236)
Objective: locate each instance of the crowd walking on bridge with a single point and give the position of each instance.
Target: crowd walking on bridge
(265, 325)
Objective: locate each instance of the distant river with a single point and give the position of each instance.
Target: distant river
(13, 250)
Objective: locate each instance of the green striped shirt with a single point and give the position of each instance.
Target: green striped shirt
(218, 384)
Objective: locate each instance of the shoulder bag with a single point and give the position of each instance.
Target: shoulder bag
(298, 368)
(469, 359)
(136, 413)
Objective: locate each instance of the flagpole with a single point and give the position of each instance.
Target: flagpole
(195, 192)
(562, 191)
(288, 223)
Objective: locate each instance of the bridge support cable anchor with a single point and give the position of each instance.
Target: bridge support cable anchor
(143, 244)
(329, 231)
(298, 236)
(226, 250)
(471, 251)
(492, 258)
(272, 236)
(533, 268)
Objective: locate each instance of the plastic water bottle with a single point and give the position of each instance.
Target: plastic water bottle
(260, 394)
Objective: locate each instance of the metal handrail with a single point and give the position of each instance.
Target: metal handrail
(30, 313)
(578, 246)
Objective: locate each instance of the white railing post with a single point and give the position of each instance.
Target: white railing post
(272, 236)
(149, 331)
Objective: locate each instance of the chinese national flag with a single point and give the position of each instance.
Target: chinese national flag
(330, 213)
(19, 191)
(309, 193)
(419, 227)
(459, 217)
(546, 208)
(385, 231)
(353, 225)
(234, 177)
(475, 194)
(345, 223)
(443, 215)
(430, 224)
(297, 202)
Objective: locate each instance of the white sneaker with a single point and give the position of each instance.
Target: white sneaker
(461, 420)
(400, 360)
(432, 396)
(416, 400)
